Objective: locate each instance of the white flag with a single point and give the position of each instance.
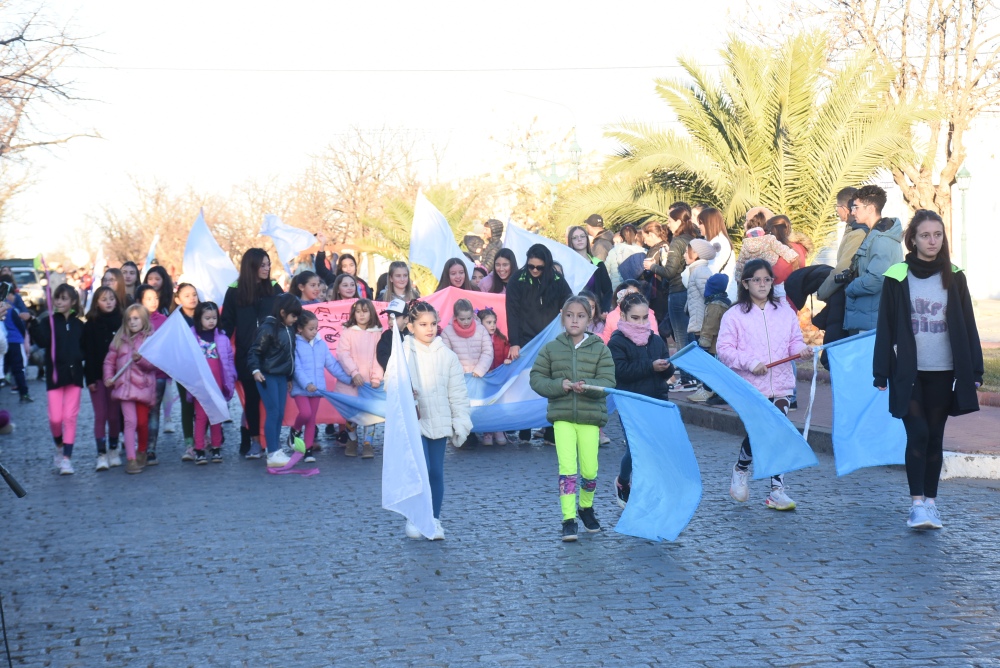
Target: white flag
(206, 265)
(432, 242)
(150, 255)
(288, 241)
(97, 275)
(576, 270)
(174, 350)
(405, 485)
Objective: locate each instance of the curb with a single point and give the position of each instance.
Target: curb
(991, 399)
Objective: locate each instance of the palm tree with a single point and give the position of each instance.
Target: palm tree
(780, 127)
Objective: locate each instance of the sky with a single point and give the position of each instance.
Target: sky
(211, 94)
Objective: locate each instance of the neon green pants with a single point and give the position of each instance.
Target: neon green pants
(576, 443)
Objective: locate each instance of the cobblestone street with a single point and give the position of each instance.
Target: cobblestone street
(222, 565)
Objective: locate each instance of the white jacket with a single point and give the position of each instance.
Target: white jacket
(439, 387)
(699, 273)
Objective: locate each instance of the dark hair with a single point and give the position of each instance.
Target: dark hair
(288, 303)
(569, 234)
(69, 291)
(597, 314)
(630, 300)
(481, 269)
(95, 311)
(757, 220)
(845, 196)
(779, 226)
(487, 312)
(143, 289)
(130, 263)
(173, 303)
(340, 264)
(370, 307)
(119, 285)
(714, 222)
(166, 289)
(682, 215)
(871, 195)
(336, 286)
(305, 318)
(629, 233)
(743, 294)
(199, 311)
(658, 229)
(498, 285)
(943, 256)
(300, 280)
(249, 287)
(445, 282)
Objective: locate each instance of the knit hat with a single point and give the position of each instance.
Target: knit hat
(704, 249)
(595, 220)
(716, 284)
(496, 227)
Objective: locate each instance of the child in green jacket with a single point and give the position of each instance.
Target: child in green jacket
(574, 359)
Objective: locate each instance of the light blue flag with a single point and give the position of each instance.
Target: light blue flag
(432, 242)
(777, 445)
(366, 409)
(206, 265)
(288, 241)
(864, 431)
(150, 255)
(666, 481)
(576, 270)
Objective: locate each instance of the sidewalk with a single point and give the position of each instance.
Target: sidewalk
(971, 442)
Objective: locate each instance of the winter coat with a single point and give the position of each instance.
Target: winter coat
(616, 256)
(242, 322)
(439, 388)
(383, 351)
(614, 317)
(658, 293)
(761, 336)
(853, 238)
(699, 272)
(895, 360)
(715, 308)
(591, 362)
(881, 249)
(602, 244)
(501, 348)
(671, 267)
(98, 332)
(803, 282)
(226, 359)
(138, 383)
(631, 268)
(600, 285)
(356, 353)
(634, 365)
(528, 311)
(312, 358)
(70, 356)
(273, 349)
(475, 353)
(496, 243)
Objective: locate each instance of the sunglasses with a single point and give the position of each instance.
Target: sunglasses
(535, 267)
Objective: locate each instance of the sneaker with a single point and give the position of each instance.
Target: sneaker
(933, 515)
(309, 458)
(114, 458)
(277, 459)
(132, 466)
(189, 455)
(169, 428)
(57, 457)
(151, 458)
(141, 458)
(352, 449)
(739, 487)
(569, 531)
(66, 467)
(603, 439)
(367, 452)
(487, 439)
(715, 400)
(412, 531)
(701, 395)
(216, 455)
(778, 500)
(102, 462)
(621, 493)
(500, 438)
(200, 458)
(330, 430)
(292, 435)
(919, 518)
(793, 406)
(782, 404)
(685, 386)
(590, 522)
(438, 531)
(26, 399)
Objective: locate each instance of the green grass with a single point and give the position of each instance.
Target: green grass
(991, 364)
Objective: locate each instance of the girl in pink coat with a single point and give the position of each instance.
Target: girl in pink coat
(356, 353)
(758, 330)
(471, 343)
(218, 353)
(135, 388)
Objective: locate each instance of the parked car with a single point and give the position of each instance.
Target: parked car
(30, 283)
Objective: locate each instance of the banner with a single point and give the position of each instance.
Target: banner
(432, 243)
(206, 265)
(576, 270)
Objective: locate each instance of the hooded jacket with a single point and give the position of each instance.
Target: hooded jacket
(634, 365)
(439, 388)
(138, 382)
(761, 336)
(698, 274)
(224, 348)
(69, 363)
(602, 244)
(591, 362)
(616, 256)
(881, 249)
(312, 359)
(533, 303)
(496, 243)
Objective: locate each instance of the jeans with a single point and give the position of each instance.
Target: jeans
(13, 362)
(434, 455)
(273, 392)
(676, 303)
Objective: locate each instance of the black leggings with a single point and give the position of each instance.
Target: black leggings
(929, 406)
(251, 404)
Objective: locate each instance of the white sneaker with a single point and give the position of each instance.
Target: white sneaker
(66, 467)
(438, 531)
(255, 450)
(277, 459)
(919, 518)
(933, 515)
(57, 458)
(778, 500)
(701, 395)
(169, 428)
(739, 488)
(102, 462)
(114, 458)
(189, 455)
(412, 531)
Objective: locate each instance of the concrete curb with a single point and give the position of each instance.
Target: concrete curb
(965, 465)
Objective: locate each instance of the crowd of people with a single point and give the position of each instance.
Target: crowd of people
(681, 280)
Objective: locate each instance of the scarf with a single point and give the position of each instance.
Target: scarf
(207, 335)
(637, 334)
(464, 332)
(922, 268)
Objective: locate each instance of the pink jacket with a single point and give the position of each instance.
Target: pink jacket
(138, 383)
(475, 353)
(761, 337)
(356, 353)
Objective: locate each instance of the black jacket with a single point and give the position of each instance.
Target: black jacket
(383, 351)
(242, 322)
(899, 368)
(600, 285)
(530, 308)
(273, 349)
(97, 335)
(634, 365)
(69, 349)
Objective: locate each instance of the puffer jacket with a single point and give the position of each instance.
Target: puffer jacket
(311, 359)
(698, 274)
(273, 349)
(634, 365)
(439, 388)
(138, 383)
(98, 332)
(618, 254)
(475, 352)
(715, 308)
(356, 353)
(761, 336)
(671, 266)
(881, 249)
(227, 360)
(591, 362)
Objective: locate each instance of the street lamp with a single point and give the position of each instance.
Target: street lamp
(553, 177)
(964, 178)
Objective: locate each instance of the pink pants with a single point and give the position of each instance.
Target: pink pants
(200, 424)
(308, 408)
(106, 412)
(136, 425)
(64, 406)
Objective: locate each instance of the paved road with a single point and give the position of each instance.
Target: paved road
(221, 565)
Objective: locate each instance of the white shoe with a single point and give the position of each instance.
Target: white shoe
(412, 531)
(919, 518)
(778, 500)
(277, 459)
(739, 488)
(102, 462)
(66, 467)
(57, 458)
(701, 395)
(438, 531)
(189, 454)
(114, 458)
(933, 515)
(169, 428)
